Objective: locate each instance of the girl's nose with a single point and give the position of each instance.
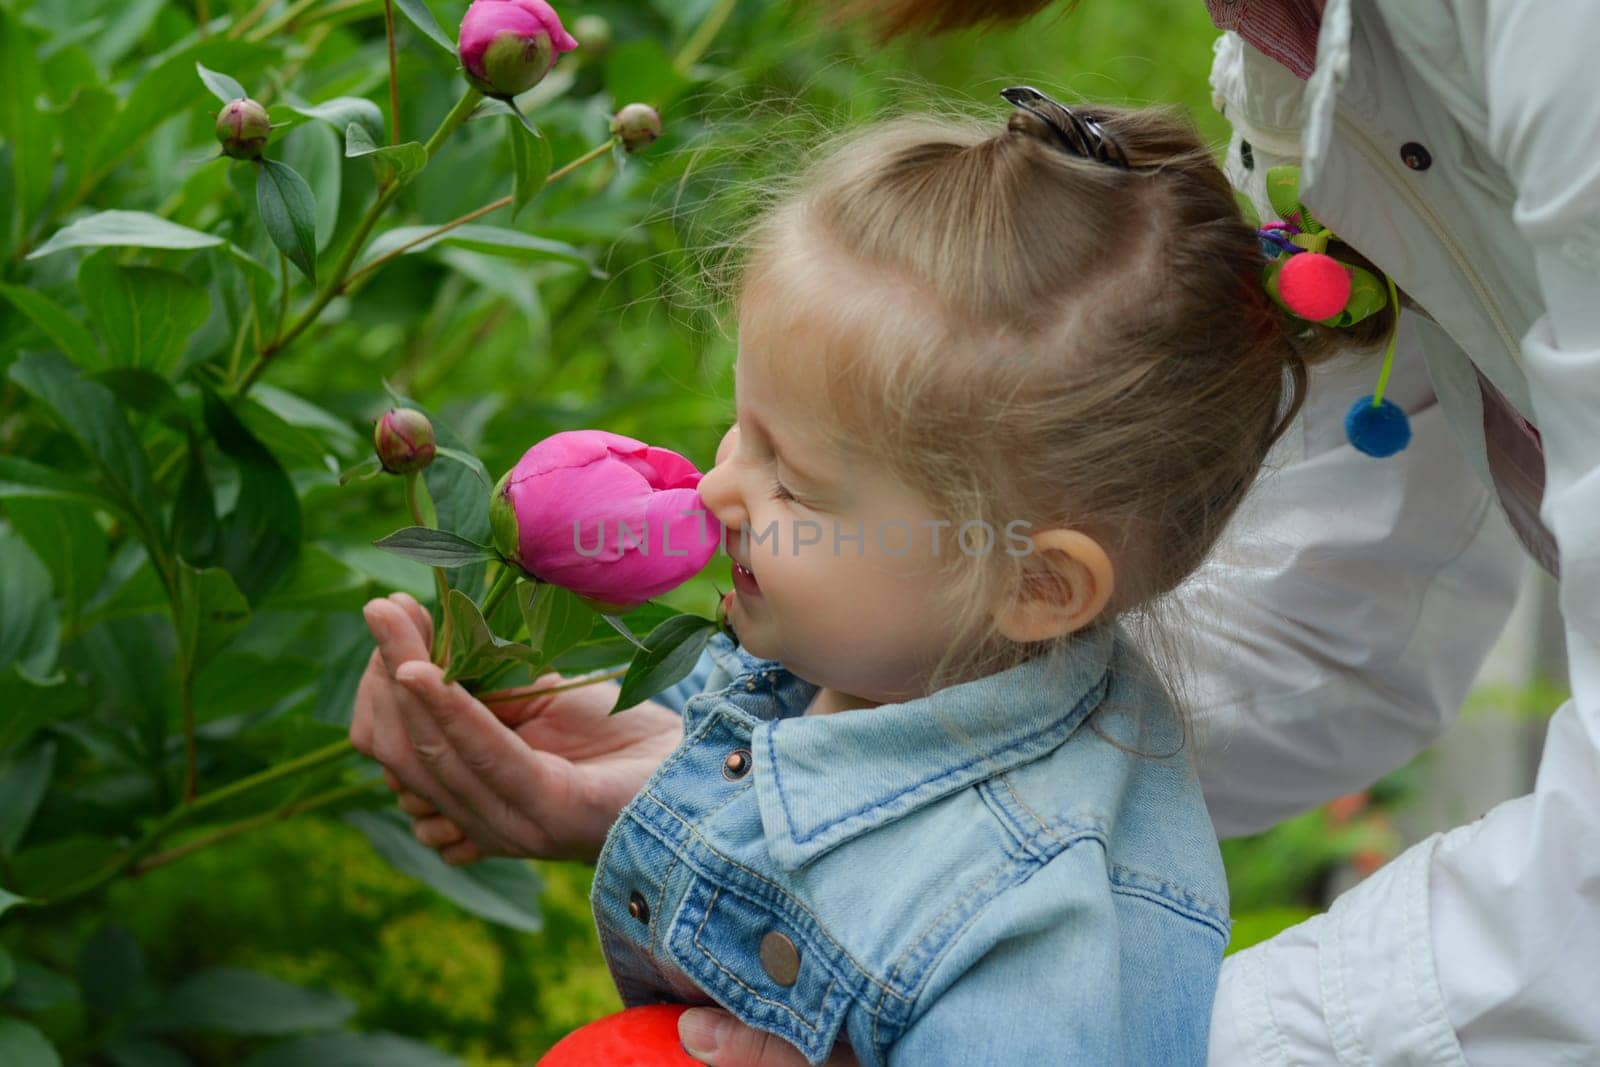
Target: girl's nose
(719, 486)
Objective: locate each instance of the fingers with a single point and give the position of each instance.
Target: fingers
(470, 750)
(461, 853)
(417, 613)
(436, 831)
(399, 640)
(716, 1037)
(415, 806)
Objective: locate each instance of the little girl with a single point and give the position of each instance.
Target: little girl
(996, 387)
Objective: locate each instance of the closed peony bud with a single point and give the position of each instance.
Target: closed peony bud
(243, 127)
(636, 126)
(508, 46)
(612, 519)
(403, 439)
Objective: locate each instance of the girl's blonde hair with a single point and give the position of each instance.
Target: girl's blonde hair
(1022, 334)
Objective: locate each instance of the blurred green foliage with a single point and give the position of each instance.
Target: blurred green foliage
(182, 569)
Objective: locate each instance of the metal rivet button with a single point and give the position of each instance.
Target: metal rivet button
(737, 765)
(780, 959)
(637, 907)
(1416, 156)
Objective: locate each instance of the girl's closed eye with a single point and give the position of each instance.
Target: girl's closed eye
(780, 491)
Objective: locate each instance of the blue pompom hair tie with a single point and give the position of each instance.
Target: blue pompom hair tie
(1377, 427)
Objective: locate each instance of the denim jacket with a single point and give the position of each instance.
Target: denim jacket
(981, 876)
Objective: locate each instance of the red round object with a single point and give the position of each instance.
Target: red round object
(646, 1036)
(1314, 286)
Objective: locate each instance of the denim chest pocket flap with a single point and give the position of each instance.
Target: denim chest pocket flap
(765, 959)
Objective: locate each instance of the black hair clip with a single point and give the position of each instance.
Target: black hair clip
(1068, 130)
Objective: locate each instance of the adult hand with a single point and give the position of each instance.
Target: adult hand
(543, 777)
(714, 1036)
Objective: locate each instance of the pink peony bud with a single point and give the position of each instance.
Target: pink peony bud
(508, 46)
(610, 518)
(243, 127)
(403, 439)
(636, 126)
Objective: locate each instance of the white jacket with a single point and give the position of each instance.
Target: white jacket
(1345, 623)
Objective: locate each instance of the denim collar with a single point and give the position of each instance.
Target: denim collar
(822, 780)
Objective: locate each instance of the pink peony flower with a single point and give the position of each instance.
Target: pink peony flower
(610, 518)
(508, 46)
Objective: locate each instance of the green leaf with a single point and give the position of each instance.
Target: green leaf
(37, 988)
(89, 412)
(64, 331)
(367, 468)
(28, 132)
(22, 1045)
(467, 460)
(145, 315)
(68, 541)
(501, 891)
(423, 19)
(196, 533)
(333, 431)
(21, 479)
(531, 159)
(261, 536)
(24, 778)
(125, 1051)
(110, 971)
(319, 581)
(353, 1050)
(30, 626)
(557, 620)
(243, 1002)
(436, 548)
(8, 970)
(223, 87)
(474, 648)
(640, 71)
(494, 240)
(343, 111)
(124, 229)
(129, 23)
(212, 610)
(668, 656)
(44, 870)
(314, 153)
(401, 160)
(289, 213)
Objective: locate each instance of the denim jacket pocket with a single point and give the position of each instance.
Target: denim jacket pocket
(769, 964)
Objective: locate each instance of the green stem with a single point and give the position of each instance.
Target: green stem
(202, 15)
(358, 241)
(528, 692)
(184, 812)
(472, 216)
(441, 585)
(254, 16)
(283, 292)
(285, 20)
(288, 811)
(394, 79)
(704, 34)
(504, 582)
(191, 757)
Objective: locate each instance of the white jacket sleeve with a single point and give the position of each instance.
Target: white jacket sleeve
(1343, 619)
(1481, 945)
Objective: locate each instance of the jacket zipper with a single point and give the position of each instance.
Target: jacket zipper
(1379, 160)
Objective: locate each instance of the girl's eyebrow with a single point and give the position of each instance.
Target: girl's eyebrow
(751, 420)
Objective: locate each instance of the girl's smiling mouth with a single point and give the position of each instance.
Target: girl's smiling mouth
(745, 581)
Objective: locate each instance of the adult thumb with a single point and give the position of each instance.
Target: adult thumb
(717, 1038)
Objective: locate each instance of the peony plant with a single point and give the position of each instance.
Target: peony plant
(587, 523)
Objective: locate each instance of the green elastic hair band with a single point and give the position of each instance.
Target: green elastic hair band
(1388, 352)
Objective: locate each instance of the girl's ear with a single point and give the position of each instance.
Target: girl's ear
(1066, 582)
